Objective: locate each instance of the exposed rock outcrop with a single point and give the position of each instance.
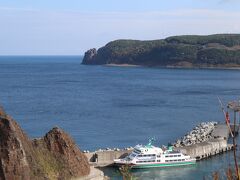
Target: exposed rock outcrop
(55, 156)
(90, 55)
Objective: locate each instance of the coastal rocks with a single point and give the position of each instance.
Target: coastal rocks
(201, 133)
(16, 151)
(63, 148)
(89, 56)
(55, 156)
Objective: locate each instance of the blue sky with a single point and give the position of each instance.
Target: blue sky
(61, 27)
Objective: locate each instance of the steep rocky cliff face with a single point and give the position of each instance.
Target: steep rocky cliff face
(90, 55)
(55, 156)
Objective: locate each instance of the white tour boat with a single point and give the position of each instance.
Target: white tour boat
(150, 156)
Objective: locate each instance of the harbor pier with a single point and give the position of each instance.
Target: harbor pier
(206, 149)
(105, 158)
(218, 143)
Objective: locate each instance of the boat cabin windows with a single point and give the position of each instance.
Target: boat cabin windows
(137, 151)
(159, 160)
(176, 155)
(145, 161)
(175, 160)
(147, 155)
(181, 159)
(133, 155)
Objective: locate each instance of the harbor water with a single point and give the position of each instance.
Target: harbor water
(101, 106)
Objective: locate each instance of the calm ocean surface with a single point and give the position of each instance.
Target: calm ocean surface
(116, 106)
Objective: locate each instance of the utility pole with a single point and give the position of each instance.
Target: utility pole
(235, 107)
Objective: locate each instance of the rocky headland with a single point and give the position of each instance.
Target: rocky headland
(220, 50)
(54, 156)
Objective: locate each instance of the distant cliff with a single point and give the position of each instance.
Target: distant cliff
(221, 50)
(54, 156)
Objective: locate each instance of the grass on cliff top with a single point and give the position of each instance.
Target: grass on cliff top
(127, 46)
(224, 39)
(49, 164)
(134, 47)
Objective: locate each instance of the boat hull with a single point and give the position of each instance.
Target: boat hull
(162, 165)
(156, 165)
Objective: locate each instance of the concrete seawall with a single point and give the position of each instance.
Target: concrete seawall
(206, 149)
(105, 158)
(221, 131)
(216, 145)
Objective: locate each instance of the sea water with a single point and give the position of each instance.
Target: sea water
(101, 106)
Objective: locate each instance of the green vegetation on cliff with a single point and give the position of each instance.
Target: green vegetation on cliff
(189, 50)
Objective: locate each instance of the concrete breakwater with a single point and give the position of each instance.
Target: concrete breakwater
(206, 149)
(205, 140)
(201, 133)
